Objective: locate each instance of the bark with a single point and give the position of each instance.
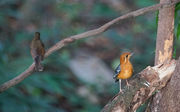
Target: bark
(164, 41)
(169, 97)
(151, 79)
(164, 50)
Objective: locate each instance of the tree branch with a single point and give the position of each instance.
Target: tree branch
(164, 51)
(71, 39)
(144, 86)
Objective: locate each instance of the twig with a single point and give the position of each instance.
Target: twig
(71, 39)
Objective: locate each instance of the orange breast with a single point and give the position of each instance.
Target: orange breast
(126, 71)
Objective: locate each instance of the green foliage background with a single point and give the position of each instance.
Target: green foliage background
(54, 90)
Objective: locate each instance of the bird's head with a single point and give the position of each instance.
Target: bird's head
(37, 36)
(125, 57)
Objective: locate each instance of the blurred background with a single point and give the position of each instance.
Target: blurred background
(79, 77)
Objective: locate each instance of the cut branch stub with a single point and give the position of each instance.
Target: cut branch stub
(149, 81)
(149, 74)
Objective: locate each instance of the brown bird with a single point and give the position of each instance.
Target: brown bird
(37, 51)
(124, 69)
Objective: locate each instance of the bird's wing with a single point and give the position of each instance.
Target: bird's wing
(117, 70)
(42, 44)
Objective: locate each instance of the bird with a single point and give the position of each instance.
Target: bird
(37, 51)
(125, 69)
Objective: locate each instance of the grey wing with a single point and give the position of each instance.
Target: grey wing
(117, 70)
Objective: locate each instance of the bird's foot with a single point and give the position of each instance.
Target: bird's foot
(128, 85)
(41, 68)
(121, 91)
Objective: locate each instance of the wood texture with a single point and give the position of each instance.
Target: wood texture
(164, 46)
(151, 80)
(165, 33)
(169, 97)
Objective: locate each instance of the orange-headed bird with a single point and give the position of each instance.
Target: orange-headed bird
(37, 51)
(124, 69)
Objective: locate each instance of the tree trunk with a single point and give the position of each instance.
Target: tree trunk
(164, 41)
(166, 99)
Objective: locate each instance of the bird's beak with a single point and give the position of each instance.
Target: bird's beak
(131, 54)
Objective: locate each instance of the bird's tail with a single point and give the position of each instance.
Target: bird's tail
(115, 78)
(38, 66)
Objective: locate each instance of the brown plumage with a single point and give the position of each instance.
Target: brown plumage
(126, 66)
(37, 51)
(124, 69)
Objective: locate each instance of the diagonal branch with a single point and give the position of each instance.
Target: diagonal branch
(71, 39)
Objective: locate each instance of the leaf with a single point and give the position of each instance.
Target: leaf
(174, 52)
(157, 17)
(177, 7)
(178, 31)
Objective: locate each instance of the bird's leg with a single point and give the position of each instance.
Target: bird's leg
(128, 85)
(120, 90)
(38, 66)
